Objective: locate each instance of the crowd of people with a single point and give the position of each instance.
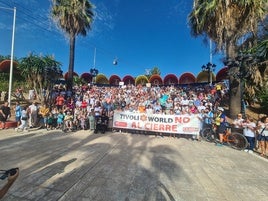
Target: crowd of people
(92, 107)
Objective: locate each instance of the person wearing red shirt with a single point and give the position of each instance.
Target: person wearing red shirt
(60, 100)
(84, 104)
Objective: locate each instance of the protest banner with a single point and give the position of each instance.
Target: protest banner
(178, 124)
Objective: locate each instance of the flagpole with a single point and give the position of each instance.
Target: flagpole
(12, 55)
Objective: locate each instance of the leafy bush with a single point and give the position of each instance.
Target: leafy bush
(4, 80)
(264, 101)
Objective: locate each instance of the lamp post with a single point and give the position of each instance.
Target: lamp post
(209, 68)
(237, 68)
(94, 72)
(12, 54)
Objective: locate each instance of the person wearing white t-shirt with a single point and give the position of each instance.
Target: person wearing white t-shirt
(238, 123)
(24, 120)
(33, 112)
(249, 131)
(184, 101)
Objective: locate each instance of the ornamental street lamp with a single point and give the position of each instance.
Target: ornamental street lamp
(238, 69)
(209, 68)
(94, 72)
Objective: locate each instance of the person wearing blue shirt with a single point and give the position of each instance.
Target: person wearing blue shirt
(208, 119)
(18, 113)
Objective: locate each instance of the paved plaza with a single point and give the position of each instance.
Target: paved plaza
(83, 166)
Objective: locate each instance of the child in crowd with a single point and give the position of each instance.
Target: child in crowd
(91, 119)
(68, 120)
(50, 121)
(60, 118)
(82, 120)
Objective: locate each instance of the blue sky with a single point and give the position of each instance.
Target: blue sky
(141, 34)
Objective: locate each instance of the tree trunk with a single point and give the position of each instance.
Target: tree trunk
(71, 62)
(235, 96)
(234, 83)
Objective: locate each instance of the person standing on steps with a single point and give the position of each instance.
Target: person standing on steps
(220, 121)
(33, 112)
(17, 110)
(249, 132)
(238, 123)
(263, 135)
(24, 120)
(5, 114)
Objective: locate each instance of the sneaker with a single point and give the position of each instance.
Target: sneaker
(219, 144)
(250, 151)
(16, 129)
(246, 150)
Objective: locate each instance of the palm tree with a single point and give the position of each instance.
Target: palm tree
(225, 23)
(257, 83)
(75, 18)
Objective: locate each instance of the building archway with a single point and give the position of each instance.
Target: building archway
(141, 80)
(114, 80)
(203, 76)
(128, 79)
(222, 74)
(156, 80)
(171, 79)
(101, 79)
(87, 77)
(5, 66)
(67, 74)
(187, 78)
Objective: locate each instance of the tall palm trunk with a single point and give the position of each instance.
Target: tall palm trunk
(235, 93)
(235, 96)
(71, 62)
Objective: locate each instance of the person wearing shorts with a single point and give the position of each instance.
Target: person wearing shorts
(263, 136)
(4, 114)
(220, 123)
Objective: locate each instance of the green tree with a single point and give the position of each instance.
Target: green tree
(225, 23)
(153, 71)
(257, 80)
(75, 18)
(264, 101)
(40, 72)
(5, 58)
(78, 81)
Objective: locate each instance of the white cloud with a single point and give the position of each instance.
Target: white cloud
(103, 19)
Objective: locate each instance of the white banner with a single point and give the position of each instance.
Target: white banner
(179, 124)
